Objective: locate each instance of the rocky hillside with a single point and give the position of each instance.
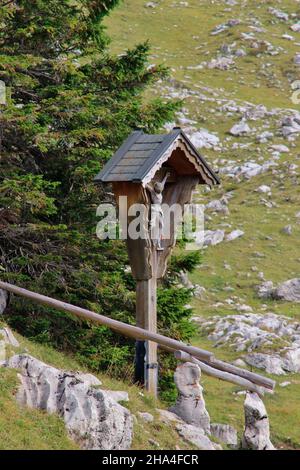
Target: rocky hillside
(235, 65)
(46, 404)
(52, 405)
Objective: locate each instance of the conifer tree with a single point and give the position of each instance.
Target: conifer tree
(70, 104)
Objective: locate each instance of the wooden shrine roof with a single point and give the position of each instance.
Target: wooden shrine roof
(141, 153)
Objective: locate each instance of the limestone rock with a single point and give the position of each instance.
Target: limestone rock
(240, 53)
(272, 364)
(284, 384)
(240, 129)
(251, 331)
(280, 148)
(288, 230)
(117, 395)
(247, 170)
(225, 26)
(225, 433)
(243, 308)
(292, 360)
(281, 15)
(153, 442)
(239, 363)
(290, 125)
(196, 436)
(190, 404)
(264, 137)
(2, 352)
(199, 292)
(254, 113)
(184, 279)
(92, 417)
(296, 27)
(89, 379)
(213, 237)
(221, 63)
(147, 417)
(235, 234)
(202, 138)
(279, 364)
(190, 433)
(297, 59)
(289, 290)
(257, 431)
(8, 337)
(168, 417)
(218, 206)
(264, 189)
(266, 290)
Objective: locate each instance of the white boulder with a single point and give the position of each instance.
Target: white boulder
(242, 128)
(249, 332)
(280, 148)
(264, 189)
(218, 205)
(281, 15)
(271, 363)
(266, 290)
(296, 27)
(190, 404)
(213, 237)
(196, 436)
(225, 433)
(92, 417)
(288, 230)
(288, 290)
(297, 59)
(290, 125)
(247, 170)
(8, 337)
(264, 137)
(257, 430)
(202, 138)
(146, 417)
(221, 63)
(235, 234)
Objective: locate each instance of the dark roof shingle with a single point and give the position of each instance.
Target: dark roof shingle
(137, 155)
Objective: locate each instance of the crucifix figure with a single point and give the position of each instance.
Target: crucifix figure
(157, 217)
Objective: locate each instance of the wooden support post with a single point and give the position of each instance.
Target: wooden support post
(146, 367)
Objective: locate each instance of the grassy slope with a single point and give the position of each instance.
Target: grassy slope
(24, 429)
(27, 429)
(180, 37)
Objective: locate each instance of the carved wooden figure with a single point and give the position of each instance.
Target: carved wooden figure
(153, 170)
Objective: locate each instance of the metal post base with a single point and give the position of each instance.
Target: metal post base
(139, 362)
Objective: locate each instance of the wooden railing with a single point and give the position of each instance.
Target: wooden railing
(184, 352)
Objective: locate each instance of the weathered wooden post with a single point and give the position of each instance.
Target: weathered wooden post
(153, 171)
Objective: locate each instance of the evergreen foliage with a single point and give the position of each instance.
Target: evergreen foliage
(70, 105)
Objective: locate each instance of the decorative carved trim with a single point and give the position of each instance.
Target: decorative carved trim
(191, 156)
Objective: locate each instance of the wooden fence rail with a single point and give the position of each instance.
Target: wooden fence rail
(209, 364)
